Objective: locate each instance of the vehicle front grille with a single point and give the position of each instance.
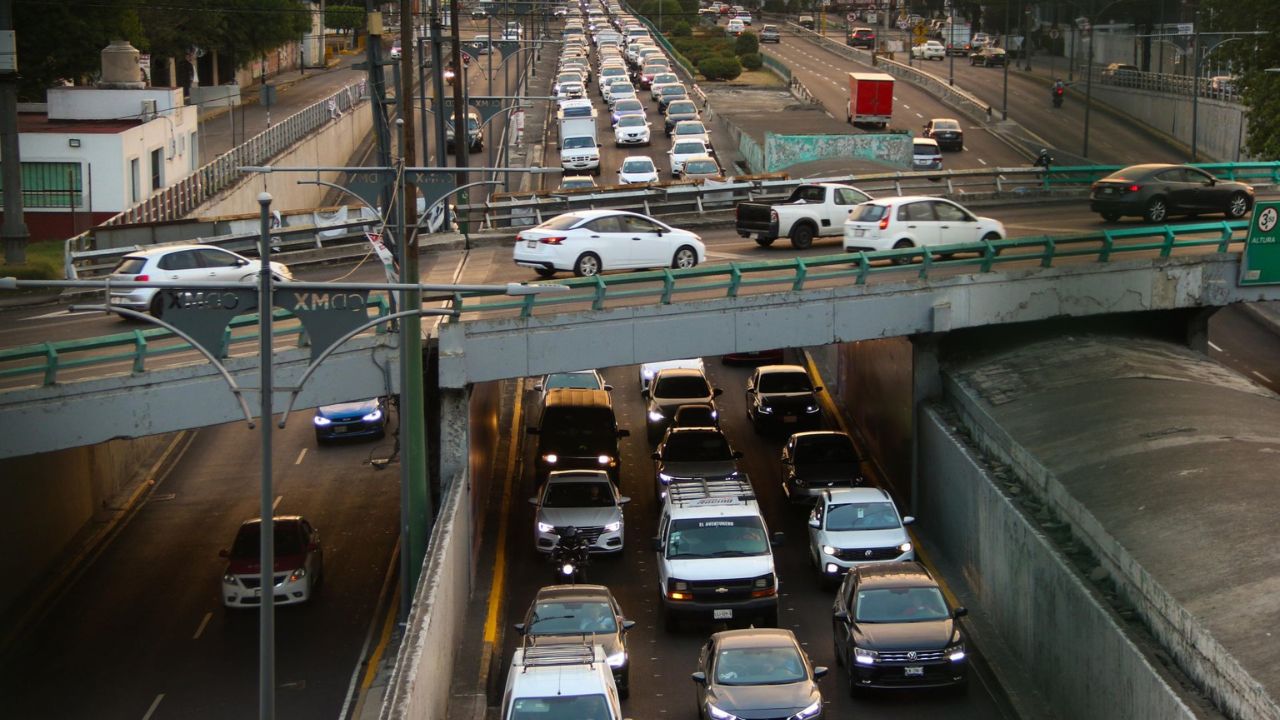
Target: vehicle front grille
(253, 581)
(867, 554)
(722, 590)
(903, 656)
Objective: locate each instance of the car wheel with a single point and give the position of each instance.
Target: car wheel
(545, 272)
(802, 236)
(1157, 211)
(1238, 206)
(764, 241)
(684, 258)
(157, 305)
(586, 265)
(900, 245)
(1111, 216)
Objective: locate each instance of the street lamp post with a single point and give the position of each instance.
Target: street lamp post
(951, 57)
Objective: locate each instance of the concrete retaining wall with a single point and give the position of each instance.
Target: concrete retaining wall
(55, 499)
(333, 145)
(1221, 130)
(1053, 622)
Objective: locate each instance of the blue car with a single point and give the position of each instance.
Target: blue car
(362, 418)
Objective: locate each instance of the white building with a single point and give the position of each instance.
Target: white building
(93, 152)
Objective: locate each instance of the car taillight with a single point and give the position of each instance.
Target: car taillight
(142, 278)
(773, 216)
(1133, 188)
(551, 240)
(884, 222)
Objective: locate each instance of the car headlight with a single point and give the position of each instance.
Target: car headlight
(322, 421)
(811, 409)
(655, 416)
(665, 478)
(550, 458)
(810, 711)
(545, 527)
(604, 460)
(647, 373)
(614, 526)
(374, 416)
(766, 410)
(617, 659)
(956, 653)
(828, 550)
(297, 575)
(229, 579)
(863, 656)
(719, 714)
(905, 547)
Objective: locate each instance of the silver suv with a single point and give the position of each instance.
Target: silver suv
(176, 263)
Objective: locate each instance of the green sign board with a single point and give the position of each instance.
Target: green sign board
(1261, 264)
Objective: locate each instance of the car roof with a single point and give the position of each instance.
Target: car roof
(584, 215)
(755, 637)
(770, 369)
(577, 475)
(163, 249)
(578, 397)
(855, 495)
(573, 592)
(903, 574)
(677, 372)
(278, 520)
(923, 141)
(900, 199)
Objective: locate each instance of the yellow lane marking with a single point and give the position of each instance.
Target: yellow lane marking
(829, 408)
(371, 671)
(497, 591)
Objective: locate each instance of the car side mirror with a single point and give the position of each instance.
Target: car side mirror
(537, 388)
(520, 628)
(224, 553)
(532, 430)
(599, 145)
(960, 612)
(817, 388)
(608, 388)
(624, 433)
(628, 624)
(815, 522)
(777, 539)
(656, 456)
(908, 520)
(840, 614)
(533, 501)
(656, 544)
(737, 454)
(717, 392)
(623, 500)
(645, 393)
(241, 262)
(699, 677)
(819, 673)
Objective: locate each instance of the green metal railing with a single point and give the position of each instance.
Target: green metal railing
(664, 287)
(777, 66)
(139, 346)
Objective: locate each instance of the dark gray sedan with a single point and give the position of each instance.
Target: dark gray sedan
(1156, 191)
(757, 673)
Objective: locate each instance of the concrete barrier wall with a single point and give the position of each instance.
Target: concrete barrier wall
(1179, 632)
(54, 499)
(1053, 623)
(419, 686)
(1221, 129)
(333, 145)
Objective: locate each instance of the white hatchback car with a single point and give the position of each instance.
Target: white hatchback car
(855, 526)
(588, 242)
(915, 221)
(175, 263)
(637, 169)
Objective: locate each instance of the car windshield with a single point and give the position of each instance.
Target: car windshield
(695, 128)
(759, 666)
(946, 125)
(587, 493)
(785, 382)
(583, 380)
(248, 541)
(560, 707)
(900, 605)
(926, 149)
(577, 143)
(665, 78)
(868, 212)
(673, 90)
(689, 147)
(577, 184)
(628, 106)
(696, 447)
(695, 167)
(862, 516)
(824, 449)
(682, 107)
(681, 386)
(717, 537)
(637, 165)
(566, 617)
(631, 121)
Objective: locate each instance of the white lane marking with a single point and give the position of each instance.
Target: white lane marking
(984, 162)
(154, 704)
(1215, 347)
(919, 115)
(200, 630)
(62, 314)
(276, 504)
(1264, 377)
(300, 456)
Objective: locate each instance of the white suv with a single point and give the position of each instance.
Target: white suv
(176, 263)
(563, 681)
(583, 499)
(715, 556)
(856, 526)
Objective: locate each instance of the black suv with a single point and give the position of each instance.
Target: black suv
(670, 389)
(578, 431)
(893, 628)
(781, 397)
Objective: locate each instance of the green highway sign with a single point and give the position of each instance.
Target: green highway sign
(1261, 263)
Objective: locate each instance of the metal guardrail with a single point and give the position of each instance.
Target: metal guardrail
(139, 346)
(663, 287)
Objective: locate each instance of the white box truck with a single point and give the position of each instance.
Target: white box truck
(579, 145)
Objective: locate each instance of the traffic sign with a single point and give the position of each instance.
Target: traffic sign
(1260, 264)
(920, 31)
(1054, 33)
(1186, 29)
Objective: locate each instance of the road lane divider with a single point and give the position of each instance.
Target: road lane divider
(497, 589)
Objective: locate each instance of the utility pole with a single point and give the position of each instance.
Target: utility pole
(15, 227)
(437, 89)
(378, 93)
(461, 134)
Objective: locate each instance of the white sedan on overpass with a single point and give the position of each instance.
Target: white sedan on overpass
(929, 50)
(588, 242)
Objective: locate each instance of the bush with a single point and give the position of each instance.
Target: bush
(681, 30)
(698, 49)
(747, 43)
(720, 67)
(775, 6)
(752, 61)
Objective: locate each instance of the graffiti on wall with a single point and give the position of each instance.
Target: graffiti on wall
(751, 153)
(783, 151)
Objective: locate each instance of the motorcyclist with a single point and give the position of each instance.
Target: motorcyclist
(1044, 159)
(1058, 90)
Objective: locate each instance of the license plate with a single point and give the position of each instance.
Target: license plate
(859, 232)
(724, 614)
(789, 419)
(339, 429)
(913, 671)
(531, 243)
(1106, 191)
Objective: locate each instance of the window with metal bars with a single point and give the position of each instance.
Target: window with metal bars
(51, 185)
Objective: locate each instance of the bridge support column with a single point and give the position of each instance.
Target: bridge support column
(926, 385)
(1198, 329)
(453, 441)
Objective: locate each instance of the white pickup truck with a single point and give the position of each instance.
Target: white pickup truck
(816, 210)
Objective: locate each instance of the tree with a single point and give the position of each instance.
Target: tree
(63, 40)
(720, 67)
(1251, 56)
(262, 25)
(344, 17)
(746, 44)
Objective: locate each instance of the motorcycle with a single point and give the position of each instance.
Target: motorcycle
(570, 556)
(1057, 96)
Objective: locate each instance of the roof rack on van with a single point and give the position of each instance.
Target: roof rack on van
(701, 491)
(555, 655)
